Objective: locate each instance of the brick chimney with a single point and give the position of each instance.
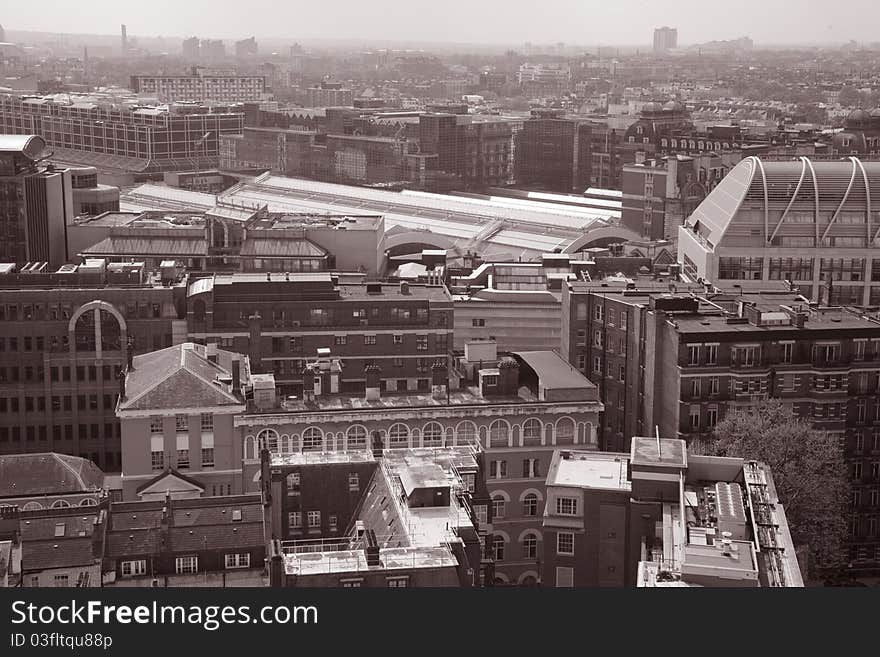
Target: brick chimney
(236, 377)
(373, 375)
(439, 380)
(508, 380)
(308, 378)
(211, 352)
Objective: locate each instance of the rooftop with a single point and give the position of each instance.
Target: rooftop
(583, 469)
(553, 371)
(181, 377)
(658, 451)
(23, 475)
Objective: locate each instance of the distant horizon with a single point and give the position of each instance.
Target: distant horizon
(424, 44)
(486, 23)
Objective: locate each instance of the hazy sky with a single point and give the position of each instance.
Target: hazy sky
(587, 22)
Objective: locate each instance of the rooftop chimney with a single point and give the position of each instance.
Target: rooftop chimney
(373, 376)
(211, 352)
(236, 377)
(440, 380)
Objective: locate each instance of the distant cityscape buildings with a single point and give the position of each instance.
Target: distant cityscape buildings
(665, 39)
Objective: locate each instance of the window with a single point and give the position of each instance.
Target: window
(597, 364)
(421, 343)
(61, 581)
(398, 435)
(530, 505)
(564, 577)
(207, 457)
(432, 435)
(478, 322)
(207, 422)
(531, 432)
(565, 543)
(312, 440)
(398, 582)
(499, 434)
(566, 506)
(498, 505)
(695, 388)
(357, 437)
(598, 312)
(711, 354)
(157, 460)
(693, 354)
(295, 520)
(185, 565)
(238, 560)
(183, 458)
(181, 423)
(711, 416)
(369, 339)
(713, 386)
(498, 548)
(134, 568)
(354, 483)
(498, 469)
(695, 418)
(351, 583)
(597, 338)
(314, 518)
(531, 468)
(530, 546)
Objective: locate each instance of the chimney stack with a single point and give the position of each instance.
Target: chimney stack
(508, 380)
(308, 378)
(211, 352)
(236, 377)
(373, 375)
(439, 380)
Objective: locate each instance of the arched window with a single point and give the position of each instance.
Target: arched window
(312, 439)
(268, 438)
(398, 435)
(60, 504)
(88, 501)
(498, 547)
(499, 431)
(532, 432)
(356, 437)
(530, 505)
(530, 546)
(32, 506)
(498, 507)
(466, 433)
(528, 580)
(432, 435)
(564, 431)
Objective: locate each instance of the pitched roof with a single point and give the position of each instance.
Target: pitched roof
(58, 553)
(177, 377)
(169, 474)
(47, 474)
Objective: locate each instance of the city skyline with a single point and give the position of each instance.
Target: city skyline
(559, 21)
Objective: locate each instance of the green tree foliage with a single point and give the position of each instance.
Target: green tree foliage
(808, 468)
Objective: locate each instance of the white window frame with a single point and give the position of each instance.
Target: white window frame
(559, 548)
(186, 565)
(237, 560)
(562, 502)
(133, 568)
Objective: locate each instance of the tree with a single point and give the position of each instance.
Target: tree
(808, 469)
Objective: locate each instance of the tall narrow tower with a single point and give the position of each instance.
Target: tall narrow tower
(124, 41)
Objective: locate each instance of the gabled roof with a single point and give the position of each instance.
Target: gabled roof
(47, 474)
(178, 377)
(160, 483)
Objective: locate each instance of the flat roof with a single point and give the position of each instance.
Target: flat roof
(553, 371)
(355, 561)
(665, 451)
(586, 469)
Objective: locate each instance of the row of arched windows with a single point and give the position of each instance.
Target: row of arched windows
(500, 433)
(528, 546)
(57, 504)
